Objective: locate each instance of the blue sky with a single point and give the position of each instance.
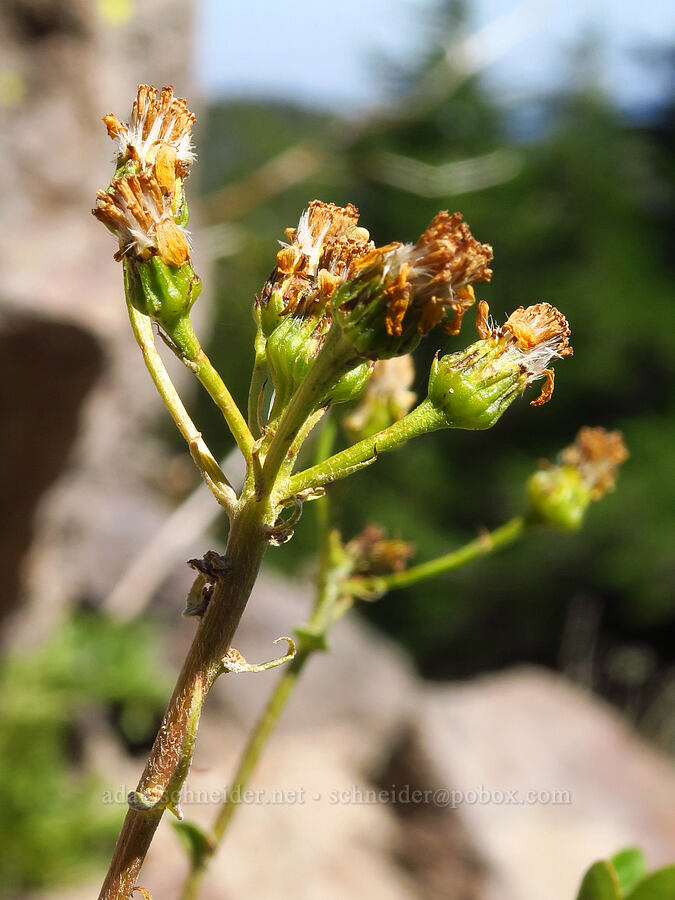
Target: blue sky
(322, 53)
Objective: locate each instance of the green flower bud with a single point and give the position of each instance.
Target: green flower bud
(472, 388)
(292, 349)
(163, 292)
(559, 495)
(398, 293)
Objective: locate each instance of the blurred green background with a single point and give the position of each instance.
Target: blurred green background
(576, 196)
(579, 215)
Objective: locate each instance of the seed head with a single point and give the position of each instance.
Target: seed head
(531, 338)
(399, 292)
(158, 136)
(139, 215)
(316, 260)
(560, 494)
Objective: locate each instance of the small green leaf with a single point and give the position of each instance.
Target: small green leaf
(196, 840)
(600, 883)
(630, 867)
(660, 885)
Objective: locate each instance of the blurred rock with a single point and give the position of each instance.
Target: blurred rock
(595, 787)
(64, 64)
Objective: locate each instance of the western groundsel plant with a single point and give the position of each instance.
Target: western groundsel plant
(336, 321)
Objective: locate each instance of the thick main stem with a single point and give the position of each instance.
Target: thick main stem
(248, 761)
(318, 624)
(171, 753)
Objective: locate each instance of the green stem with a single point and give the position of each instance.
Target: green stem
(486, 543)
(204, 460)
(421, 420)
(183, 336)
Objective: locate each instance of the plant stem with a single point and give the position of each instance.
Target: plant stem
(318, 624)
(210, 471)
(251, 754)
(421, 420)
(486, 543)
(183, 336)
(171, 753)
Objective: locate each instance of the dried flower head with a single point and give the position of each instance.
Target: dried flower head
(401, 291)
(158, 135)
(373, 553)
(532, 338)
(139, 215)
(560, 494)
(472, 388)
(597, 455)
(387, 398)
(316, 259)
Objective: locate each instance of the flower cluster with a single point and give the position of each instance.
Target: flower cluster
(330, 278)
(145, 206)
(398, 293)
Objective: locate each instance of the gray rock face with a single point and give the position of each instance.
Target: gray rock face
(62, 307)
(547, 779)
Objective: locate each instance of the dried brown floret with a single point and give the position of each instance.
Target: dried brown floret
(537, 325)
(137, 212)
(374, 554)
(158, 134)
(597, 454)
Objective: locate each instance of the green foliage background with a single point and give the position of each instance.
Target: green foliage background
(583, 225)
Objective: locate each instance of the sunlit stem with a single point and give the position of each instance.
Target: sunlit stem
(422, 420)
(183, 337)
(204, 460)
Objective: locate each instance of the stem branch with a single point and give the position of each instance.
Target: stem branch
(208, 467)
(422, 420)
(480, 546)
(183, 336)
